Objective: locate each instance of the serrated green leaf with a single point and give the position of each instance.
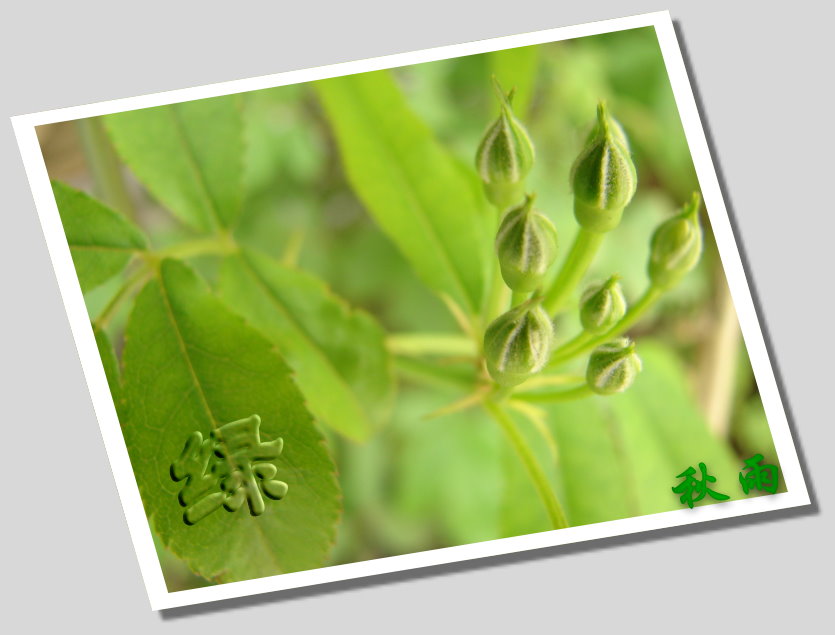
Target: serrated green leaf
(189, 156)
(338, 354)
(190, 365)
(413, 187)
(619, 456)
(101, 241)
(111, 369)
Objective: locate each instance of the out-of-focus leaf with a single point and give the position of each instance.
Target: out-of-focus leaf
(189, 156)
(192, 366)
(448, 469)
(752, 435)
(338, 354)
(517, 68)
(283, 150)
(371, 527)
(420, 196)
(101, 240)
(619, 456)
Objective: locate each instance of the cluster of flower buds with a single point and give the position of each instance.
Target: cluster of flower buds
(613, 367)
(676, 246)
(602, 306)
(505, 155)
(518, 344)
(603, 177)
(526, 245)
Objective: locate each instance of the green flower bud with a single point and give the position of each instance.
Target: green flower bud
(526, 245)
(505, 155)
(602, 306)
(676, 246)
(517, 344)
(603, 176)
(613, 367)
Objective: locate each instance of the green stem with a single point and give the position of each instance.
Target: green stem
(576, 264)
(220, 244)
(518, 297)
(134, 281)
(433, 374)
(498, 300)
(104, 166)
(570, 394)
(540, 481)
(566, 351)
(584, 342)
(498, 295)
(417, 344)
(500, 393)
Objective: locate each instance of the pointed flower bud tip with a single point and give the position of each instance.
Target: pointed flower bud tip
(517, 344)
(613, 367)
(603, 176)
(676, 246)
(505, 155)
(526, 245)
(602, 306)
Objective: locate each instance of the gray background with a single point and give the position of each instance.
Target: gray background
(764, 81)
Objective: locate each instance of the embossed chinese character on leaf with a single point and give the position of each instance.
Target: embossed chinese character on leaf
(230, 467)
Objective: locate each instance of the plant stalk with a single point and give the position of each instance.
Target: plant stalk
(576, 264)
(570, 394)
(498, 301)
(433, 374)
(417, 344)
(540, 481)
(222, 244)
(583, 342)
(518, 297)
(218, 245)
(137, 279)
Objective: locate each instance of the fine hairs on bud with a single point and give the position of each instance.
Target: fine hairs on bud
(517, 344)
(603, 177)
(526, 245)
(613, 367)
(505, 155)
(602, 306)
(676, 246)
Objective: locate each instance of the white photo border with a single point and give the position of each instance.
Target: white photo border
(160, 598)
